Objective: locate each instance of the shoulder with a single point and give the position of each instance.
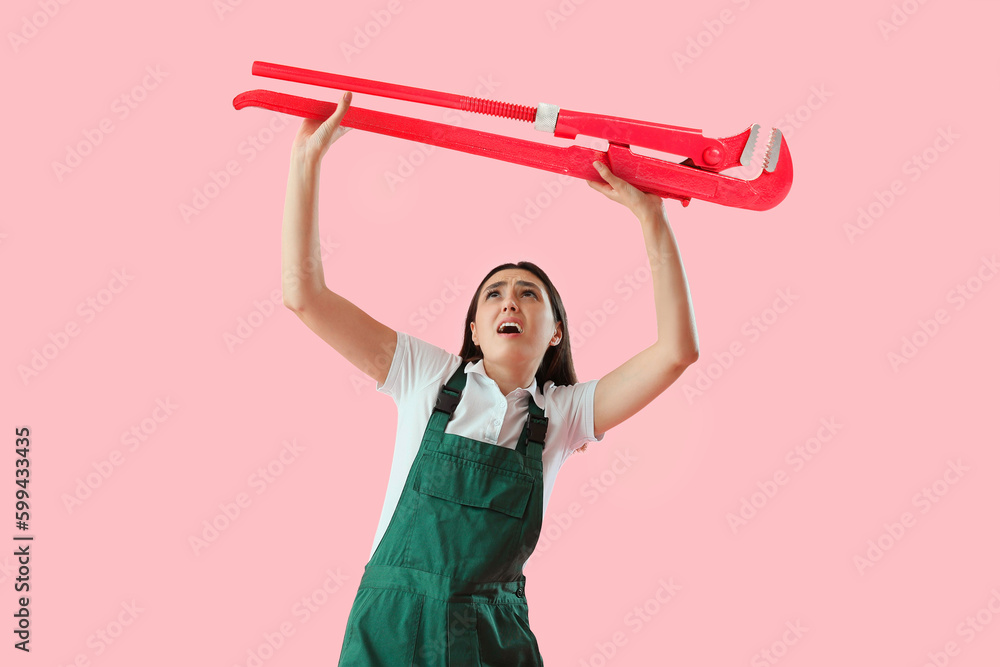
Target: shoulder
(573, 406)
(418, 363)
(564, 396)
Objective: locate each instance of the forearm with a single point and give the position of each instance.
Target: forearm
(301, 261)
(677, 337)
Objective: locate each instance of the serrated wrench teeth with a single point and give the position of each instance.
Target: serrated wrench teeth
(773, 149)
(747, 155)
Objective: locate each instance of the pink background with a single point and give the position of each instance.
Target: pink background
(856, 104)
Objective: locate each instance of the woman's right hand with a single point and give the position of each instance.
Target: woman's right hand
(315, 137)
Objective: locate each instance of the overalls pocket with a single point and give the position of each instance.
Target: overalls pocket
(472, 483)
(466, 511)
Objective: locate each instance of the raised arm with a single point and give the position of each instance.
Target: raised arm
(366, 343)
(633, 385)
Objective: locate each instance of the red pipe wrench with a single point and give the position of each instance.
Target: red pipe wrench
(697, 177)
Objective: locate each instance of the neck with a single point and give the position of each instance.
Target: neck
(508, 379)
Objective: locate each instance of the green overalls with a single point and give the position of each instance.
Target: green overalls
(445, 586)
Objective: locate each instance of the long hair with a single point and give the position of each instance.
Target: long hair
(557, 364)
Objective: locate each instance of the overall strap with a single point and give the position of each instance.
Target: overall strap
(447, 401)
(450, 394)
(532, 440)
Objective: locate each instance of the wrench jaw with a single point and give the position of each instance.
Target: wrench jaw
(737, 151)
(771, 185)
(683, 181)
(775, 179)
(747, 155)
(773, 149)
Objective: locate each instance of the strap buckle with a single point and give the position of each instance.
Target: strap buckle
(536, 429)
(446, 401)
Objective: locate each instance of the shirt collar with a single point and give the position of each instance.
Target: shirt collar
(536, 394)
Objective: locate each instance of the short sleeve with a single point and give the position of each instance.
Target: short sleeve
(576, 402)
(415, 364)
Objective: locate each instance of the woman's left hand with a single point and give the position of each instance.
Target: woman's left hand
(642, 204)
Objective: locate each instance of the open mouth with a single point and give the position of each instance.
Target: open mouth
(509, 330)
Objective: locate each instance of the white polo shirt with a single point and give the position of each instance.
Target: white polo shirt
(415, 377)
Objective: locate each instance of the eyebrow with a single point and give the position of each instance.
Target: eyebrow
(519, 283)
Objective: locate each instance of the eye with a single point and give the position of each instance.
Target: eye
(493, 291)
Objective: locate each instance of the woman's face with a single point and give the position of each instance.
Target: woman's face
(515, 294)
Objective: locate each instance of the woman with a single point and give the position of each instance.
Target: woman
(481, 435)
